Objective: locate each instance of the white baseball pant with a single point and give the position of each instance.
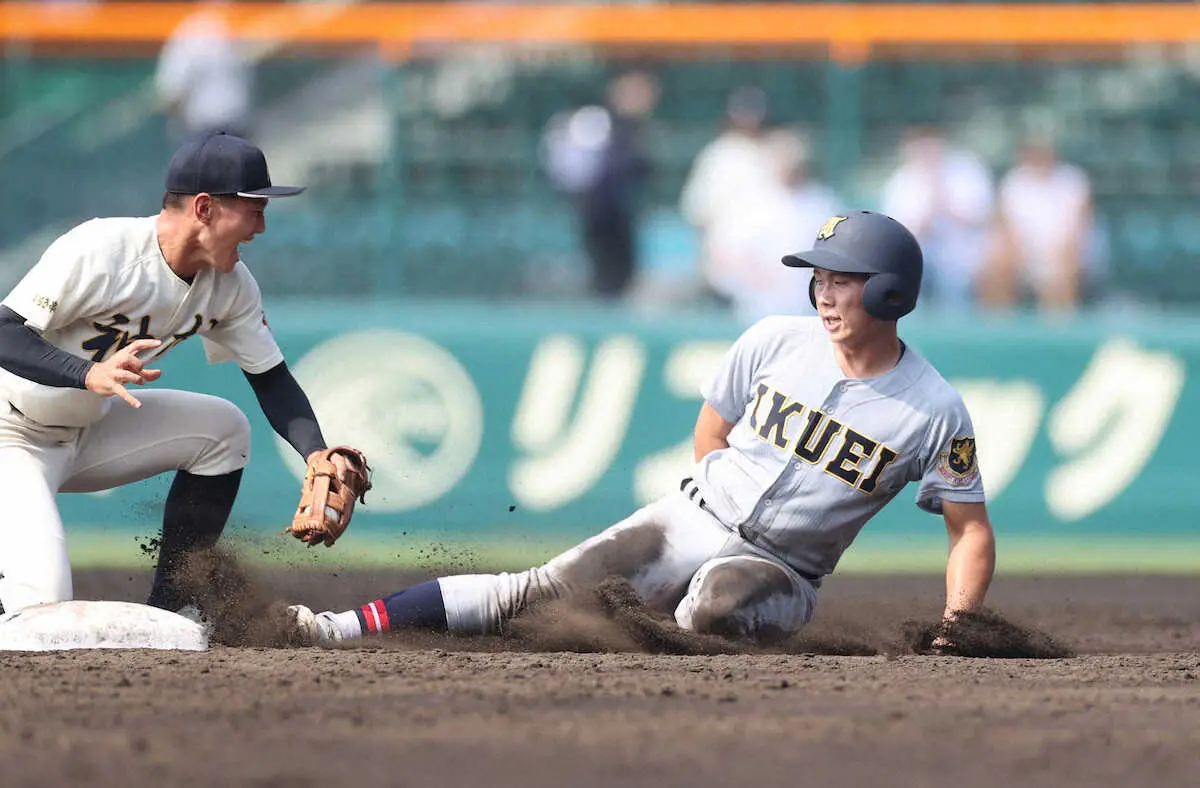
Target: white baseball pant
(173, 430)
(677, 557)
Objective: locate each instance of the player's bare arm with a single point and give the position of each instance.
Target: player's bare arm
(711, 433)
(972, 560)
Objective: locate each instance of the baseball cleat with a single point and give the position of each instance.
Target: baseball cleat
(312, 629)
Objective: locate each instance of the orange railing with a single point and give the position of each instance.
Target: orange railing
(849, 31)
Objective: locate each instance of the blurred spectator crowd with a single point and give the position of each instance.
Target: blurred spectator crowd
(1020, 237)
(434, 158)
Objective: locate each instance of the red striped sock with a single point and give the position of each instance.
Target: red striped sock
(374, 617)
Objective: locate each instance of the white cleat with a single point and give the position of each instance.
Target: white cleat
(313, 629)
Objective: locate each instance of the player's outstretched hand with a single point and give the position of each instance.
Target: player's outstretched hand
(944, 643)
(124, 368)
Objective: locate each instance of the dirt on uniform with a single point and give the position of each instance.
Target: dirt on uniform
(1076, 681)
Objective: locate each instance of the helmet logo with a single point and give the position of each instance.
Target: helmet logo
(828, 228)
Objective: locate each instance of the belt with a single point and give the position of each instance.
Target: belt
(692, 489)
(17, 411)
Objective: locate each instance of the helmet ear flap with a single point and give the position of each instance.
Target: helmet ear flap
(888, 297)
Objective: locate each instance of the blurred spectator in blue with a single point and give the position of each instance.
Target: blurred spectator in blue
(748, 240)
(595, 155)
(945, 196)
(731, 170)
(204, 77)
(1044, 248)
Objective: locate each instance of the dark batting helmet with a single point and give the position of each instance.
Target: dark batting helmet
(862, 242)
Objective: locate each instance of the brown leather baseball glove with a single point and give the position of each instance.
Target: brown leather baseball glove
(327, 495)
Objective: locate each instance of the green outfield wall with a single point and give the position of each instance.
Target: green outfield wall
(499, 434)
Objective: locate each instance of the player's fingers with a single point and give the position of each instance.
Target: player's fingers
(126, 376)
(151, 374)
(127, 362)
(138, 345)
(131, 363)
(121, 392)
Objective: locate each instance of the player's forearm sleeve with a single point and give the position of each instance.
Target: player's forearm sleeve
(287, 408)
(25, 353)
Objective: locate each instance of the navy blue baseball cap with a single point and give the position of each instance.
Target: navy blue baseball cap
(222, 164)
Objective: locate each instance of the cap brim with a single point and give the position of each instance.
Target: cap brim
(274, 191)
(830, 261)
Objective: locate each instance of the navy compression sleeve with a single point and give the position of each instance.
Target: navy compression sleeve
(25, 353)
(287, 409)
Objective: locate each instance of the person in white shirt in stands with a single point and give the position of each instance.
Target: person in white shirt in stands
(204, 78)
(1042, 233)
(731, 169)
(945, 195)
(785, 213)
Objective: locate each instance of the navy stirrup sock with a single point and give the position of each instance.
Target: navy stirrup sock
(418, 607)
(193, 519)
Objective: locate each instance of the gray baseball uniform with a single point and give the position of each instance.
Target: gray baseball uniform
(812, 456)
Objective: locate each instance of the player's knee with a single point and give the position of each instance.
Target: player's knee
(238, 437)
(724, 615)
(228, 447)
(727, 601)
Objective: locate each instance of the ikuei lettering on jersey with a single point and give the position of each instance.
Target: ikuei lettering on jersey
(858, 460)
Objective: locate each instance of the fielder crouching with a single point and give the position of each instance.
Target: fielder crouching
(108, 299)
(810, 426)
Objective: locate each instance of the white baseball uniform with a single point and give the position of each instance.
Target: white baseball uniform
(812, 456)
(96, 289)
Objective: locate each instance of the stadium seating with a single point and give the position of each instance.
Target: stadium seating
(460, 204)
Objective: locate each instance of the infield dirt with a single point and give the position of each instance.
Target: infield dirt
(573, 696)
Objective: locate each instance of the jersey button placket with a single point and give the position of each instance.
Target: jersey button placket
(832, 399)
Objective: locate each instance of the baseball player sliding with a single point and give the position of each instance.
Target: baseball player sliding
(810, 426)
(87, 323)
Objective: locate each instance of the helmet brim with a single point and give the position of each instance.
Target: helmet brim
(829, 260)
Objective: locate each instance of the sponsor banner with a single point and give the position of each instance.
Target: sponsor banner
(516, 429)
